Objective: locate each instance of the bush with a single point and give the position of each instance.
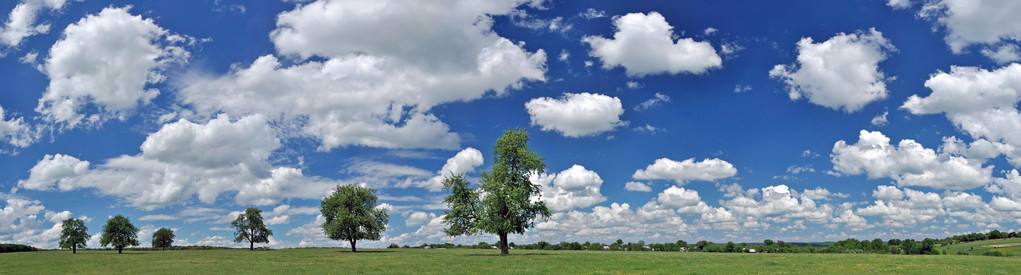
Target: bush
(393, 245)
(993, 253)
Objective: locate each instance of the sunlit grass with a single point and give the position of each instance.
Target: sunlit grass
(341, 261)
(1010, 247)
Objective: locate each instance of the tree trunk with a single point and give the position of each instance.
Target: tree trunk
(119, 249)
(353, 245)
(74, 248)
(504, 250)
(251, 245)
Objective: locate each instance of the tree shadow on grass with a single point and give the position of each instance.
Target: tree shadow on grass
(364, 251)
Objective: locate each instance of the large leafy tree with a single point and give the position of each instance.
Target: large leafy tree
(73, 234)
(120, 233)
(351, 215)
(249, 227)
(503, 203)
(163, 238)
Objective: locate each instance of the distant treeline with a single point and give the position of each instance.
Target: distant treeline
(926, 246)
(7, 247)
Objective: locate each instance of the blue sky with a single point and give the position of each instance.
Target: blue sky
(659, 120)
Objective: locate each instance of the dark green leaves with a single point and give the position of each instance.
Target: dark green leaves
(351, 214)
(119, 232)
(73, 234)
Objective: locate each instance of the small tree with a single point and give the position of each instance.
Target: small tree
(511, 201)
(163, 238)
(249, 227)
(351, 214)
(120, 233)
(73, 234)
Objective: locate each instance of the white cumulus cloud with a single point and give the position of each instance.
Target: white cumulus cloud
(908, 163)
(969, 22)
(185, 159)
(645, 44)
(687, 170)
(109, 60)
(576, 115)
(385, 65)
(980, 102)
(463, 162)
(839, 73)
(575, 187)
(21, 23)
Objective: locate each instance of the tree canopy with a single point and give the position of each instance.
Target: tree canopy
(249, 227)
(120, 233)
(508, 205)
(73, 234)
(351, 215)
(163, 238)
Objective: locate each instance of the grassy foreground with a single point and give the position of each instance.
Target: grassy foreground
(339, 261)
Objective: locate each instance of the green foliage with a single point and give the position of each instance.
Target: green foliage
(73, 234)
(120, 233)
(393, 245)
(508, 205)
(351, 214)
(464, 203)
(163, 238)
(249, 227)
(8, 247)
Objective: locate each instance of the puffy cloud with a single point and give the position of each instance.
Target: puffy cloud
(889, 193)
(575, 187)
(54, 169)
(184, 159)
(22, 221)
(678, 197)
(463, 162)
(21, 23)
(15, 131)
(373, 88)
(645, 44)
(779, 202)
(839, 73)
(576, 115)
(282, 213)
(637, 186)
(969, 22)
(110, 60)
(1005, 204)
(908, 163)
(852, 221)
(687, 170)
(1004, 54)
(418, 218)
(880, 119)
(899, 4)
(980, 102)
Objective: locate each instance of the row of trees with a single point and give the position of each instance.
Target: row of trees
(350, 211)
(118, 232)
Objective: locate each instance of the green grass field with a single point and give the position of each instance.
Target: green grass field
(1010, 247)
(340, 261)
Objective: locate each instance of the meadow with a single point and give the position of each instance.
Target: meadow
(462, 261)
(1008, 247)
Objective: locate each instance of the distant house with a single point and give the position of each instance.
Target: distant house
(683, 249)
(606, 247)
(752, 251)
(427, 247)
(494, 247)
(646, 247)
